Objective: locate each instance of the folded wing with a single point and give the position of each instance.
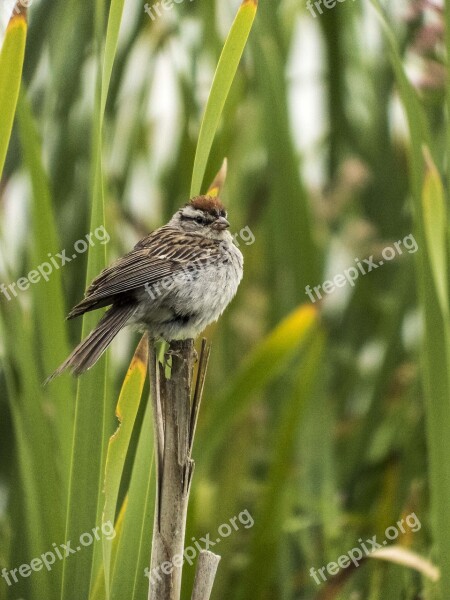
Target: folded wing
(162, 254)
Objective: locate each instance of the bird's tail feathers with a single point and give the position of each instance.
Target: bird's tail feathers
(89, 350)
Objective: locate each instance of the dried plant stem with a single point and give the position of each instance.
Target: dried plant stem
(175, 418)
(204, 575)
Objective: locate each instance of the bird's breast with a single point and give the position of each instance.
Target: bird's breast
(194, 296)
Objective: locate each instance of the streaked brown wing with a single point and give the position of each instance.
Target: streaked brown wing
(161, 254)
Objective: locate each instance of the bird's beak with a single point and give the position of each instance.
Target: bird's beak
(221, 223)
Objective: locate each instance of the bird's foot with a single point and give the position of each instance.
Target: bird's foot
(179, 348)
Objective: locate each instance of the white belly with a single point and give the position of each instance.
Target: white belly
(182, 306)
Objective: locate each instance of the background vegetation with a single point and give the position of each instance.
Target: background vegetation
(327, 422)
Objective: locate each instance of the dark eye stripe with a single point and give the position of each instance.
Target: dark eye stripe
(198, 219)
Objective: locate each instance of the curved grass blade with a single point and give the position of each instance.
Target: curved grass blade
(223, 78)
(128, 576)
(436, 373)
(406, 558)
(85, 504)
(434, 213)
(11, 64)
(112, 37)
(99, 588)
(127, 408)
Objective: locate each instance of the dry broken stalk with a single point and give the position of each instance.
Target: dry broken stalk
(175, 418)
(204, 575)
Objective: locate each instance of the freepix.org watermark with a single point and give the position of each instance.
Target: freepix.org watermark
(155, 10)
(328, 4)
(364, 549)
(59, 552)
(367, 265)
(189, 271)
(244, 518)
(45, 269)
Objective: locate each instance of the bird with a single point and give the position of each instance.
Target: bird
(174, 282)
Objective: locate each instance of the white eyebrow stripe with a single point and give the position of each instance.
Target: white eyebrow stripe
(192, 213)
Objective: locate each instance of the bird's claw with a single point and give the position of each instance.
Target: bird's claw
(178, 352)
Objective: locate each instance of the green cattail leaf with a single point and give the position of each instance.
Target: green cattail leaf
(223, 78)
(435, 227)
(126, 412)
(11, 63)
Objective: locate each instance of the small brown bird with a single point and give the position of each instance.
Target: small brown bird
(175, 282)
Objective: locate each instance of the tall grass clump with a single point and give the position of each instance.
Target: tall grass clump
(325, 415)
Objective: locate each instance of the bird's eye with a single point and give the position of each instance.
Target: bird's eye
(199, 220)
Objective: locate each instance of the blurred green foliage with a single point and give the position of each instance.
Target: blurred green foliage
(327, 423)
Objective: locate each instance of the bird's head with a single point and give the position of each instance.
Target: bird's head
(204, 215)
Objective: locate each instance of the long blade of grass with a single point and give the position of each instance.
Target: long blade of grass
(47, 292)
(39, 483)
(447, 96)
(11, 64)
(128, 578)
(126, 412)
(436, 367)
(112, 37)
(223, 78)
(435, 222)
(99, 589)
(436, 355)
(90, 434)
(91, 414)
(106, 61)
